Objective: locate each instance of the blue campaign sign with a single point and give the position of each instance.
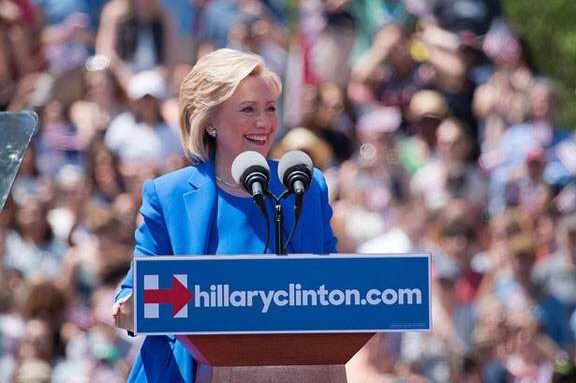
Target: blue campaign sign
(281, 294)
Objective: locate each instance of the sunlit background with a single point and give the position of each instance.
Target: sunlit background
(443, 126)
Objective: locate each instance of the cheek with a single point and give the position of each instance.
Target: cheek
(273, 120)
(242, 124)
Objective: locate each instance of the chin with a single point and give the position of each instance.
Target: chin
(264, 150)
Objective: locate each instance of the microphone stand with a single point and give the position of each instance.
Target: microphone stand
(278, 219)
(278, 222)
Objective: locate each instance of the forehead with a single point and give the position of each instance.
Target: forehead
(253, 88)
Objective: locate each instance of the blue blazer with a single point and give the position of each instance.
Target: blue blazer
(178, 214)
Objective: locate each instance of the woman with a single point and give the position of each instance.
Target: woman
(227, 106)
(104, 98)
(140, 135)
(136, 35)
(31, 245)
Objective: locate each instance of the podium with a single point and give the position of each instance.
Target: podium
(314, 357)
(279, 319)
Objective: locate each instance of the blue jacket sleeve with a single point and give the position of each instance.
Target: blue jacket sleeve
(151, 235)
(329, 240)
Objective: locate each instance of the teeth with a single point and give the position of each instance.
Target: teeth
(256, 137)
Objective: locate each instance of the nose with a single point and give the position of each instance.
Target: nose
(265, 120)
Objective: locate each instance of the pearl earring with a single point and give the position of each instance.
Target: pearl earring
(213, 133)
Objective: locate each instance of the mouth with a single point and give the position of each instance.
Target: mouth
(257, 139)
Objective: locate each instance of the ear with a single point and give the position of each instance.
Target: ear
(211, 131)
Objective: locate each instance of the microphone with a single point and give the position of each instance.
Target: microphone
(295, 171)
(251, 171)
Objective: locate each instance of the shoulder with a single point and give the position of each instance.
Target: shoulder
(181, 180)
(167, 190)
(177, 176)
(319, 179)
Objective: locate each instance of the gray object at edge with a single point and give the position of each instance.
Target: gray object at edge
(16, 130)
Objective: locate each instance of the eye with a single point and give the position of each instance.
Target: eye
(247, 109)
(271, 108)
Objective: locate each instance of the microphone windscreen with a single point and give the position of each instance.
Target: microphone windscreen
(246, 160)
(294, 158)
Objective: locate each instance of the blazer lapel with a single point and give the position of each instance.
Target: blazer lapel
(200, 207)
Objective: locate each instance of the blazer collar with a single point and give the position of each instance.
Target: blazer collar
(203, 175)
(200, 207)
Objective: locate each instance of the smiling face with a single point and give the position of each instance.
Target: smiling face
(246, 121)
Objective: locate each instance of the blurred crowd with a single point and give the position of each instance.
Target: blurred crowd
(435, 131)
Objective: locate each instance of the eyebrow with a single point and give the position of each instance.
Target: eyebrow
(255, 102)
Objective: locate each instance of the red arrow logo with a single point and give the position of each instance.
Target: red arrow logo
(178, 296)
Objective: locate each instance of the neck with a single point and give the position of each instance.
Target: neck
(223, 167)
(223, 171)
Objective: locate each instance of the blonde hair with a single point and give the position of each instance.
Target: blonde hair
(211, 82)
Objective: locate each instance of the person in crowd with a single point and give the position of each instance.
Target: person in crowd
(372, 182)
(253, 34)
(228, 106)
(31, 246)
(19, 54)
(325, 114)
(327, 33)
(136, 35)
(449, 175)
(141, 134)
(386, 74)
(30, 179)
(104, 98)
(304, 139)
(12, 323)
(490, 333)
(460, 60)
(447, 71)
(530, 354)
(59, 142)
(432, 353)
(369, 17)
(66, 35)
(407, 235)
(502, 101)
(556, 274)
(103, 173)
(541, 130)
(426, 111)
(46, 310)
(526, 187)
(513, 285)
(70, 197)
(35, 353)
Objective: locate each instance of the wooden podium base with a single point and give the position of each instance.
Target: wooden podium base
(277, 374)
(275, 349)
(274, 358)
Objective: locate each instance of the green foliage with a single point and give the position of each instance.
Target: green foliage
(549, 28)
